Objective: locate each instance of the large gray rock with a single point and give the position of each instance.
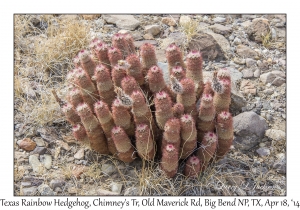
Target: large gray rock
(122, 21)
(237, 99)
(259, 28)
(220, 29)
(249, 128)
(245, 51)
(276, 78)
(35, 164)
(152, 29)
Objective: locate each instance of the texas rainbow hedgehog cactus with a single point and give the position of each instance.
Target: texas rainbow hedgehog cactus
(122, 104)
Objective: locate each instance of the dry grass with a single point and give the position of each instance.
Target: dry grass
(190, 29)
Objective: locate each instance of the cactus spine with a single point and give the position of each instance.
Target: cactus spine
(188, 136)
(169, 160)
(192, 167)
(144, 142)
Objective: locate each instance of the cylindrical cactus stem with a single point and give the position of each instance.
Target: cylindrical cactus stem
(147, 52)
(118, 73)
(107, 123)
(188, 136)
(114, 55)
(224, 74)
(163, 108)
(145, 144)
(207, 148)
(129, 84)
(104, 84)
(87, 88)
(222, 100)
(93, 46)
(79, 133)
(123, 144)
(208, 89)
(206, 116)
(122, 117)
(192, 167)
(130, 43)
(70, 114)
(174, 57)
(178, 72)
(171, 134)
(224, 128)
(87, 62)
(135, 68)
(178, 110)
(102, 54)
(77, 62)
(119, 41)
(93, 129)
(74, 97)
(70, 78)
(194, 70)
(169, 160)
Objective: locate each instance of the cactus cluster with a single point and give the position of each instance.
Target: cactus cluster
(120, 103)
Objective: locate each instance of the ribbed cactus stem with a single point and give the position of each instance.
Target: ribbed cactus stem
(135, 68)
(208, 89)
(104, 84)
(87, 62)
(93, 129)
(178, 110)
(102, 54)
(114, 55)
(188, 136)
(224, 128)
(119, 41)
(123, 144)
(224, 73)
(70, 114)
(174, 57)
(74, 97)
(144, 142)
(171, 134)
(156, 81)
(79, 133)
(130, 43)
(163, 108)
(70, 78)
(222, 100)
(169, 160)
(188, 97)
(129, 84)
(93, 46)
(207, 148)
(192, 167)
(76, 62)
(107, 123)
(147, 52)
(118, 73)
(178, 72)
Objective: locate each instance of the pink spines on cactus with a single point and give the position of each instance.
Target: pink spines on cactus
(174, 57)
(118, 73)
(119, 41)
(102, 54)
(147, 52)
(178, 110)
(93, 129)
(130, 43)
(188, 96)
(222, 100)
(70, 114)
(208, 89)
(178, 72)
(87, 62)
(156, 81)
(70, 78)
(114, 56)
(188, 136)
(135, 68)
(192, 167)
(144, 142)
(163, 108)
(171, 134)
(123, 144)
(224, 73)
(74, 97)
(93, 46)
(207, 148)
(129, 84)
(169, 160)
(79, 133)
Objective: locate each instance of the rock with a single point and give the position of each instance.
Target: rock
(35, 163)
(152, 29)
(108, 169)
(148, 37)
(29, 191)
(273, 77)
(39, 142)
(247, 73)
(263, 151)
(138, 44)
(106, 192)
(237, 99)
(57, 183)
(237, 41)
(26, 184)
(116, 187)
(256, 73)
(280, 163)
(259, 28)
(122, 21)
(27, 144)
(268, 91)
(168, 21)
(219, 19)
(273, 33)
(278, 81)
(248, 87)
(72, 190)
(49, 134)
(239, 60)
(250, 62)
(78, 170)
(79, 154)
(212, 46)
(276, 135)
(45, 190)
(220, 29)
(281, 33)
(63, 144)
(235, 74)
(249, 128)
(184, 20)
(246, 24)
(245, 51)
(131, 191)
(46, 160)
(39, 150)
